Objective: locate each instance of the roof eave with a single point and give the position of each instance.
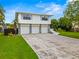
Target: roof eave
(33, 13)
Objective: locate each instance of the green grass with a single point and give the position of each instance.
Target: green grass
(14, 47)
(70, 34)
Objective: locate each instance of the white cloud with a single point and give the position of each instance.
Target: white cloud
(69, 1)
(40, 5)
(52, 8)
(55, 9)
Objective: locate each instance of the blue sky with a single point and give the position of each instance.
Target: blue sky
(54, 7)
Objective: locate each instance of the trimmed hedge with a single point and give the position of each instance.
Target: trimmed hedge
(8, 30)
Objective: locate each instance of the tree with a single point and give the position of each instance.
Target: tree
(9, 25)
(72, 12)
(54, 24)
(2, 17)
(65, 24)
(69, 11)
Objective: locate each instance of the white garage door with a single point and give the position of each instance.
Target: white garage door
(24, 29)
(44, 28)
(35, 28)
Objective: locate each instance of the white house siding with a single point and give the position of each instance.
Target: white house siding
(35, 28)
(34, 25)
(36, 19)
(24, 28)
(44, 28)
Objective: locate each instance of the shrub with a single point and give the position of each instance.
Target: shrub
(10, 30)
(54, 24)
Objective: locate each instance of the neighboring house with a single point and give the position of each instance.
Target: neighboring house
(33, 23)
(0, 28)
(75, 26)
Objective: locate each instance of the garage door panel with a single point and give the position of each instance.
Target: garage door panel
(44, 28)
(24, 29)
(35, 28)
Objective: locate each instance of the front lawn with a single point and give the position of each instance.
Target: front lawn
(70, 34)
(14, 47)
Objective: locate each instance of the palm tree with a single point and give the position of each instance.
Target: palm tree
(2, 16)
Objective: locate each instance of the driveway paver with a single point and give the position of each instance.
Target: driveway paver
(49, 46)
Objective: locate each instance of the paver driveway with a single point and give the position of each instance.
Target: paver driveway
(49, 46)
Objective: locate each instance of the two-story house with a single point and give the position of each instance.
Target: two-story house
(33, 23)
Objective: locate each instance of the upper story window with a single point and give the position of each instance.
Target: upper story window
(27, 17)
(44, 18)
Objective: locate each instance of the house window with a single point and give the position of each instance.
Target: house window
(27, 17)
(44, 18)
